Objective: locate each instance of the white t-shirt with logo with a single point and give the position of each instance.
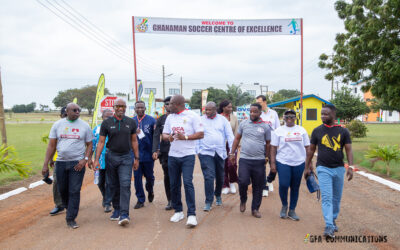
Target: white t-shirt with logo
(290, 142)
(187, 122)
(271, 118)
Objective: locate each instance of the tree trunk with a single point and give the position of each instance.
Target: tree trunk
(2, 116)
(387, 169)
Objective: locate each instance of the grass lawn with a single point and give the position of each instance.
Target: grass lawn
(39, 117)
(381, 134)
(27, 140)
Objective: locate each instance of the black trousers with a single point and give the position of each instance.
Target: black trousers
(254, 171)
(164, 164)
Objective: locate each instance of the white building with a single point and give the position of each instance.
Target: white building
(188, 88)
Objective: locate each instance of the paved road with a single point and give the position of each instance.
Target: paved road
(368, 209)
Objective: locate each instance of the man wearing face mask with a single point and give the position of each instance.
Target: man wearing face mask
(255, 136)
(73, 139)
(212, 153)
(145, 129)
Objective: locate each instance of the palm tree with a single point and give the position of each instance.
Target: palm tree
(385, 153)
(9, 161)
(237, 96)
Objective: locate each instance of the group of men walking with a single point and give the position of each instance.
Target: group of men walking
(121, 144)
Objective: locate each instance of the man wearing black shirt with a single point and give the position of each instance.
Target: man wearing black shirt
(160, 150)
(330, 139)
(121, 132)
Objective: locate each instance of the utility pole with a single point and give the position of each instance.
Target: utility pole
(181, 87)
(2, 116)
(163, 81)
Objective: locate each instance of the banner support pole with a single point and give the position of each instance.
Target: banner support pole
(134, 56)
(301, 76)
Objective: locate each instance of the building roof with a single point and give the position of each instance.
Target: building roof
(275, 104)
(356, 83)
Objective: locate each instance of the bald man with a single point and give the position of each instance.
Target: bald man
(121, 133)
(182, 128)
(212, 153)
(72, 138)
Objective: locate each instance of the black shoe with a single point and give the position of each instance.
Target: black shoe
(329, 232)
(56, 211)
(242, 207)
(151, 196)
(335, 227)
(72, 224)
(168, 206)
(138, 205)
(107, 209)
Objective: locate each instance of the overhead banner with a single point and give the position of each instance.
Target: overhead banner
(219, 27)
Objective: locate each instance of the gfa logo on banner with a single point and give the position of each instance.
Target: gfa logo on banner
(143, 26)
(295, 26)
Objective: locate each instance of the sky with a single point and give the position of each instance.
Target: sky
(41, 54)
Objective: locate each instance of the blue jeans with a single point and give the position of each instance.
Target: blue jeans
(289, 176)
(146, 169)
(177, 167)
(104, 188)
(331, 185)
(119, 174)
(213, 169)
(69, 183)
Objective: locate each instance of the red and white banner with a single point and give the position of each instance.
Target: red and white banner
(221, 27)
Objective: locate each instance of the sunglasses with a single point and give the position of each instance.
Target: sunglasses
(120, 106)
(76, 110)
(290, 116)
(166, 103)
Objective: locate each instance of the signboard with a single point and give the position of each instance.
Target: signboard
(221, 27)
(204, 95)
(107, 103)
(243, 112)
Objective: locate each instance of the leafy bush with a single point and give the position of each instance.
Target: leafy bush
(385, 153)
(9, 161)
(357, 129)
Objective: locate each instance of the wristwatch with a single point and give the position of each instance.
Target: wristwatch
(186, 137)
(86, 158)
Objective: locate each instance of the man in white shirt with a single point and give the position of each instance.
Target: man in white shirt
(182, 128)
(270, 117)
(212, 153)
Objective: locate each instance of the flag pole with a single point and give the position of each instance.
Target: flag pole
(134, 55)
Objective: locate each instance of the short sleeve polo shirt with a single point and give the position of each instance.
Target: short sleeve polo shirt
(119, 133)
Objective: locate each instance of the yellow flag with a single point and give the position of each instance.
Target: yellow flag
(99, 96)
(75, 100)
(151, 99)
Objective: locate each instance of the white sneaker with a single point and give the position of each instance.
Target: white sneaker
(270, 187)
(233, 188)
(265, 193)
(191, 221)
(225, 191)
(177, 217)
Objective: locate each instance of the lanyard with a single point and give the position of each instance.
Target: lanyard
(139, 121)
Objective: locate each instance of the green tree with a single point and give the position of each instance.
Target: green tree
(385, 153)
(22, 108)
(86, 97)
(369, 49)
(9, 161)
(379, 104)
(214, 95)
(348, 106)
(237, 96)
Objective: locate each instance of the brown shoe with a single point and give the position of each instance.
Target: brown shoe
(242, 207)
(256, 214)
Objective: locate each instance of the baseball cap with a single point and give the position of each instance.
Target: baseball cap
(289, 111)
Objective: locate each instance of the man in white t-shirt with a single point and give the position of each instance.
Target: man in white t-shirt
(270, 117)
(182, 128)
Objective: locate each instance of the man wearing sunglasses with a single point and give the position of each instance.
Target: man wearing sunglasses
(121, 133)
(72, 138)
(161, 149)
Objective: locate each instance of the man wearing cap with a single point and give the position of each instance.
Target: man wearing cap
(73, 139)
(121, 133)
(212, 153)
(182, 128)
(255, 136)
(270, 117)
(161, 150)
(145, 130)
(56, 194)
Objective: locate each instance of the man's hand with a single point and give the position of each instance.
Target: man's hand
(45, 169)
(232, 158)
(180, 136)
(349, 174)
(171, 138)
(307, 173)
(135, 165)
(90, 163)
(51, 163)
(96, 165)
(81, 164)
(155, 155)
(273, 168)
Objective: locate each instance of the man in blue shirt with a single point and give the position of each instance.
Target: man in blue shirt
(145, 129)
(212, 153)
(103, 186)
